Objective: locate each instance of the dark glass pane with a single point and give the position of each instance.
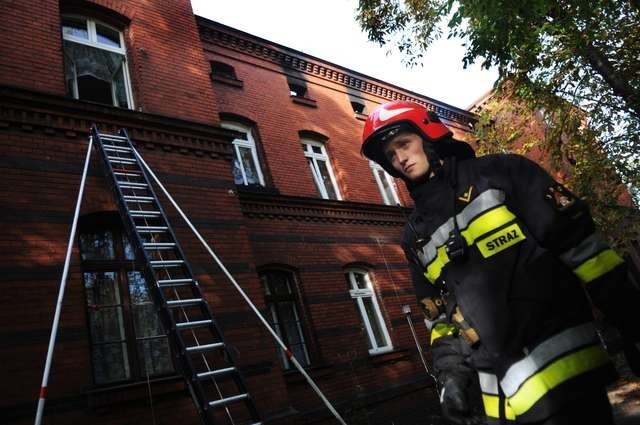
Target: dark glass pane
(97, 245)
(110, 363)
(138, 288)
(315, 175)
(75, 27)
(129, 253)
(326, 179)
(250, 167)
(94, 89)
(107, 36)
(146, 321)
(101, 289)
(155, 356)
(121, 91)
(223, 70)
(374, 321)
(360, 280)
(106, 324)
(237, 172)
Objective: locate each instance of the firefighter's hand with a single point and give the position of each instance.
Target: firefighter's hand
(455, 403)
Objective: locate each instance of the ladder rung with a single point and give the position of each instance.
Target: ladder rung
(159, 245)
(127, 174)
(166, 263)
(128, 185)
(194, 324)
(184, 303)
(145, 214)
(214, 373)
(175, 282)
(205, 347)
(151, 229)
(117, 160)
(112, 148)
(112, 136)
(140, 199)
(228, 400)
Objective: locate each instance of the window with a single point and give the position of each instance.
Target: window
(95, 64)
(284, 314)
(361, 290)
(321, 171)
(246, 167)
(220, 69)
(127, 339)
(358, 107)
(386, 185)
(297, 89)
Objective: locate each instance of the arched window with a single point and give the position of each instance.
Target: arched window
(386, 185)
(127, 339)
(285, 314)
(321, 170)
(246, 166)
(363, 293)
(95, 64)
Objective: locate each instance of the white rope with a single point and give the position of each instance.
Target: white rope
(63, 282)
(241, 292)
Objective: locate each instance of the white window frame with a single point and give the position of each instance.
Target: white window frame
(250, 144)
(375, 168)
(358, 295)
(315, 170)
(93, 42)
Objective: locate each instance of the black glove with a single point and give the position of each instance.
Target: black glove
(455, 402)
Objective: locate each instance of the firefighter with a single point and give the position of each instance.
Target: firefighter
(505, 263)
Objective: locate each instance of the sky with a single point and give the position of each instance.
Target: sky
(327, 29)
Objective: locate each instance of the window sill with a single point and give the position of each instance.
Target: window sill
(228, 81)
(118, 393)
(361, 117)
(304, 101)
(391, 356)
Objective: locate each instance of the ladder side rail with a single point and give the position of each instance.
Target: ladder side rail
(196, 290)
(151, 278)
(237, 376)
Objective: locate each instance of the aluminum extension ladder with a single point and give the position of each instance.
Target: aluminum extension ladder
(216, 386)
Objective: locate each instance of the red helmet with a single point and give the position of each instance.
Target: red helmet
(390, 118)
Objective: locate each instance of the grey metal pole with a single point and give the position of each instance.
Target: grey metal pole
(407, 312)
(242, 293)
(63, 283)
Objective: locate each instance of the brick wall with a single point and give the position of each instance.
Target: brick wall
(168, 71)
(43, 140)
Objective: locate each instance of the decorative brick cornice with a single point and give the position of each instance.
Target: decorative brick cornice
(280, 207)
(53, 115)
(215, 33)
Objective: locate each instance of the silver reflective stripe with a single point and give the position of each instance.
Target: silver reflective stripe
(586, 249)
(544, 353)
(485, 201)
(438, 238)
(488, 383)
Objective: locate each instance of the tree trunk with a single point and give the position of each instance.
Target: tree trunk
(602, 66)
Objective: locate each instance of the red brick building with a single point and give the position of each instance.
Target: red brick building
(259, 144)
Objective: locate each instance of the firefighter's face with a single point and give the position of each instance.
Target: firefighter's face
(406, 154)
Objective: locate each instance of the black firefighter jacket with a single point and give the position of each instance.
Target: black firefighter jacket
(520, 283)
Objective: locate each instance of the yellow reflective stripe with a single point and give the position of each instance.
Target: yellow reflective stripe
(500, 240)
(555, 374)
(442, 329)
(492, 407)
(487, 222)
(596, 266)
(435, 268)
